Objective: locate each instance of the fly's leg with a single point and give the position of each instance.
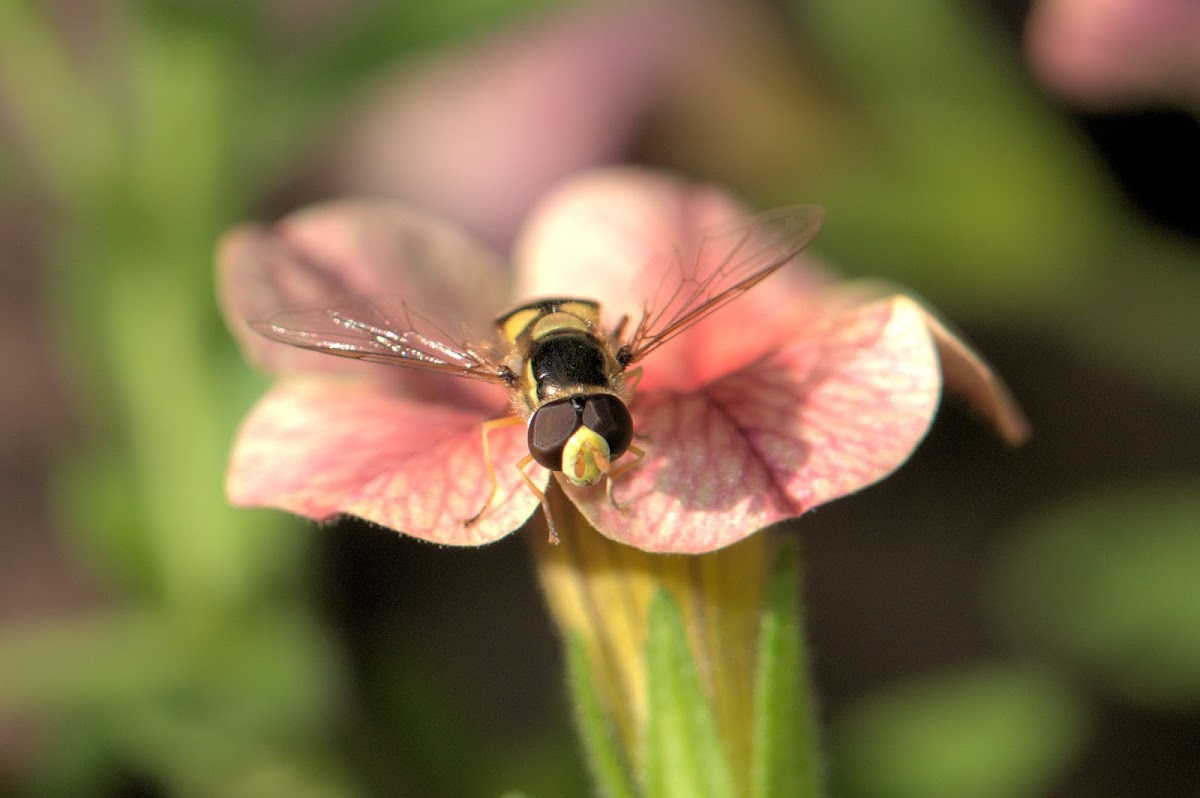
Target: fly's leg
(638, 454)
(619, 330)
(540, 494)
(633, 379)
(485, 428)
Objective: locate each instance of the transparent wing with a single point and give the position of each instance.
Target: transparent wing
(384, 330)
(720, 266)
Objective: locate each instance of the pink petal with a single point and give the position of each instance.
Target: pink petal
(496, 123)
(832, 412)
(967, 375)
(617, 235)
(315, 256)
(321, 447)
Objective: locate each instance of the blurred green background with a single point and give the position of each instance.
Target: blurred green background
(986, 623)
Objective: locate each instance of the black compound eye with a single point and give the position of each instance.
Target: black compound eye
(607, 415)
(551, 427)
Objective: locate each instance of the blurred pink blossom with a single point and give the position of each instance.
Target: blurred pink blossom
(477, 134)
(1114, 53)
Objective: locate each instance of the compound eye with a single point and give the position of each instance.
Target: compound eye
(551, 427)
(607, 415)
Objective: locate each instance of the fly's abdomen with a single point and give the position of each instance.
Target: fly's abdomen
(569, 360)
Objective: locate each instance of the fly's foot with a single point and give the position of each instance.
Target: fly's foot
(608, 490)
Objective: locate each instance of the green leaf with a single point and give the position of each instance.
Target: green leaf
(785, 760)
(1109, 582)
(960, 156)
(681, 750)
(597, 737)
(188, 705)
(987, 733)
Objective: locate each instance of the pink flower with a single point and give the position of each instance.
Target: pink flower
(1108, 53)
(498, 120)
(796, 393)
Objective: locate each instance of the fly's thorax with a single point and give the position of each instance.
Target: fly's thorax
(557, 351)
(567, 362)
(580, 435)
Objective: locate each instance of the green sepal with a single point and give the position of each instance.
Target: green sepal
(785, 760)
(609, 768)
(681, 753)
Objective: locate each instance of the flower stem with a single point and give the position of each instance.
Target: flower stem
(675, 657)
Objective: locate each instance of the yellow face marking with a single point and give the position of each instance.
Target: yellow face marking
(582, 455)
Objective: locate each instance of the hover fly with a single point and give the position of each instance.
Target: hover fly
(570, 379)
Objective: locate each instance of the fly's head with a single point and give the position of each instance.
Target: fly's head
(580, 435)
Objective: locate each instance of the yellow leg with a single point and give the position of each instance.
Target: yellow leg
(638, 454)
(488, 426)
(541, 496)
(619, 330)
(633, 379)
